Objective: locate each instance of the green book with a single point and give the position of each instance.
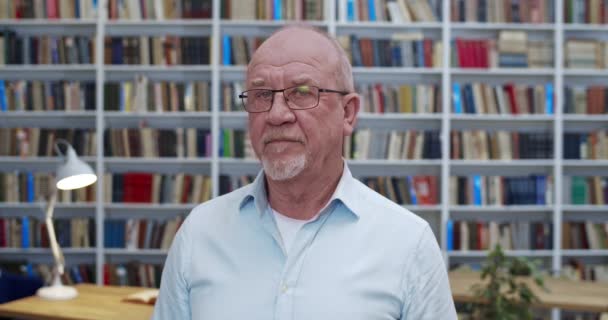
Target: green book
(579, 190)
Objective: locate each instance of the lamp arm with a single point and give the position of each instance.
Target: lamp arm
(57, 254)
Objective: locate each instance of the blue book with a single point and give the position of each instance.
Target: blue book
(350, 10)
(450, 235)
(410, 182)
(477, 190)
(371, 9)
(419, 47)
(226, 51)
(25, 232)
(278, 10)
(3, 100)
(77, 12)
(541, 186)
(30, 187)
(456, 98)
(549, 97)
(469, 101)
(356, 50)
(75, 272)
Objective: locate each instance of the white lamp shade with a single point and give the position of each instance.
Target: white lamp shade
(74, 173)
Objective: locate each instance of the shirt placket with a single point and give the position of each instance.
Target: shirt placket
(286, 291)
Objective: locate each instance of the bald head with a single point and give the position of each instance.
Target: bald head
(306, 43)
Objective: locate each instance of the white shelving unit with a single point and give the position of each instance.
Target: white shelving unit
(216, 73)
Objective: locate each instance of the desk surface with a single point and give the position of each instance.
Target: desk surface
(93, 302)
(564, 294)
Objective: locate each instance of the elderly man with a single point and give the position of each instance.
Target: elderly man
(305, 240)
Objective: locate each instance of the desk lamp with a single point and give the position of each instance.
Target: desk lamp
(72, 174)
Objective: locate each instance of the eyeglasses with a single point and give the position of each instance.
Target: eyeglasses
(298, 98)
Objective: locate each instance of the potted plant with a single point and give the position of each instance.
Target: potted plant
(500, 296)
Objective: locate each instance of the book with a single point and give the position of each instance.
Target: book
(143, 297)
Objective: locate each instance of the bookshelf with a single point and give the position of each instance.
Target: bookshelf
(336, 23)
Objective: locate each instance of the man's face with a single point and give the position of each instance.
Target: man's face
(291, 141)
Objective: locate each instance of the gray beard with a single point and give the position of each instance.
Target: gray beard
(280, 170)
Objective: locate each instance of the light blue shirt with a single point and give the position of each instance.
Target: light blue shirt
(364, 257)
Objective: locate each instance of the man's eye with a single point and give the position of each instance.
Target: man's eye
(264, 94)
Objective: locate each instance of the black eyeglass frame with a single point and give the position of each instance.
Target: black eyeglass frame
(243, 96)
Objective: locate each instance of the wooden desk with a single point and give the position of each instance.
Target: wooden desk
(93, 303)
(563, 294)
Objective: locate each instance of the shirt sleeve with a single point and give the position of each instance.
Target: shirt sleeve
(426, 286)
(173, 300)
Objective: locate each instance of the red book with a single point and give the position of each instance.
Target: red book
(186, 188)
(423, 190)
(2, 235)
(427, 45)
(460, 49)
(106, 274)
(483, 54)
(379, 92)
(511, 92)
(51, 9)
(137, 187)
(515, 145)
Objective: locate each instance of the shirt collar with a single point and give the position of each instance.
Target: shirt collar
(345, 193)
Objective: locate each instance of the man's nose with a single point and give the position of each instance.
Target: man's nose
(280, 112)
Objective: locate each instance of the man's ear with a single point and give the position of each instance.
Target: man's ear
(352, 103)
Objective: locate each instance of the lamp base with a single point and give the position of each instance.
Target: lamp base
(57, 292)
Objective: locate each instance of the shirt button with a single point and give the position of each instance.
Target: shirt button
(284, 288)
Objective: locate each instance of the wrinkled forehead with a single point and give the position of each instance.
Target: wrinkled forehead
(295, 50)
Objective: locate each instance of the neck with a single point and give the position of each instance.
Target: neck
(303, 196)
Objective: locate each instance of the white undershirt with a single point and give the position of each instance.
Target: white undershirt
(288, 228)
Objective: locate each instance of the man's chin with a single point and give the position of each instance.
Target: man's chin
(284, 169)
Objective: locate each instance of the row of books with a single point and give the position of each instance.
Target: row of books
(20, 49)
(48, 9)
(496, 190)
(238, 50)
(401, 50)
(230, 183)
(38, 95)
(32, 142)
(483, 98)
(132, 274)
(575, 269)
(512, 49)
(235, 143)
(404, 98)
(164, 50)
(485, 235)
(140, 233)
(142, 95)
(500, 145)
(588, 145)
(502, 11)
(410, 190)
(159, 9)
(272, 10)
(399, 11)
(30, 232)
(585, 11)
(25, 186)
(152, 143)
(584, 235)
(586, 54)
(589, 190)
(586, 100)
(392, 145)
(141, 187)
